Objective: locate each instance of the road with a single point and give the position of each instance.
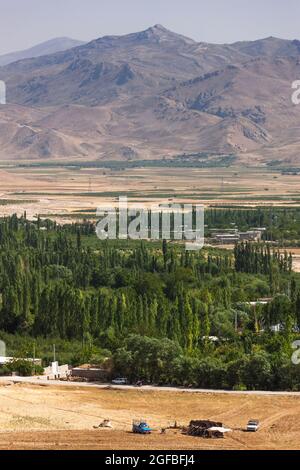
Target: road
(43, 381)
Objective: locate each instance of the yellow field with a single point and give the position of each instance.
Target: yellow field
(47, 417)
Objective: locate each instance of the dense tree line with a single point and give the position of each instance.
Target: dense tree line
(232, 367)
(282, 225)
(62, 282)
(260, 259)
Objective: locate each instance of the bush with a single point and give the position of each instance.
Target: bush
(240, 388)
(24, 368)
(4, 371)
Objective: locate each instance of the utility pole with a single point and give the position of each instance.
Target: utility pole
(54, 353)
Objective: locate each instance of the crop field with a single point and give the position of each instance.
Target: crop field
(66, 192)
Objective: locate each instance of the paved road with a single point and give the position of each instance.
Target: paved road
(42, 381)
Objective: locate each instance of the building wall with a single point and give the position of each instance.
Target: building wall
(90, 374)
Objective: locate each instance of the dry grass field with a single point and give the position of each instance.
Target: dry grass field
(50, 417)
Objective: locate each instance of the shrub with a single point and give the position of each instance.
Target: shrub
(24, 368)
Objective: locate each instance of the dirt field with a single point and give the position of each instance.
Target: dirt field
(50, 417)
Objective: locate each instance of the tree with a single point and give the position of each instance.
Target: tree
(257, 372)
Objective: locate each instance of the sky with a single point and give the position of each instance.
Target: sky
(24, 23)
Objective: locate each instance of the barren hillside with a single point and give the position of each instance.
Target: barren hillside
(153, 94)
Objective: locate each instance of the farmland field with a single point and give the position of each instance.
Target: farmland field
(62, 192)
(50, 417)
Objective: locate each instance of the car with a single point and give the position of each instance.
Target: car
(253, 425)
(120, 381)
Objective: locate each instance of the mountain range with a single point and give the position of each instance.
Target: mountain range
(47, 47)
(151, 95)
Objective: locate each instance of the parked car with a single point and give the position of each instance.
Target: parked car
(253, 425)
(120, 381)
(141, 427)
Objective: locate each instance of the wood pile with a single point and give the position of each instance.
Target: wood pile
(200, 428)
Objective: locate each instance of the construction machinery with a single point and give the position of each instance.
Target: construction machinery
(141, 427)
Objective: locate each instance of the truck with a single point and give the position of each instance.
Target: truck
(253, 425)
(141, 427)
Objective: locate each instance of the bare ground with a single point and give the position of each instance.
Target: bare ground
(50, 417)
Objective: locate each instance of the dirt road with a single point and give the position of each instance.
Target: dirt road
(42, 381)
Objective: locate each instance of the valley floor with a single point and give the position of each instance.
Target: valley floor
(67, 194)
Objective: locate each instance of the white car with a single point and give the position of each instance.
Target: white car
(120, 381)
(253, 425)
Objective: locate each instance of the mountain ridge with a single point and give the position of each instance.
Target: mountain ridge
(156, 94)
(47, 47)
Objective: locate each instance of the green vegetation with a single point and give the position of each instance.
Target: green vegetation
(153, 307)
(22, 367)
(197, 160)
(7, 202)
(282, 224)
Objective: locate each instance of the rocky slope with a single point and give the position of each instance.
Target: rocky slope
(153, 94)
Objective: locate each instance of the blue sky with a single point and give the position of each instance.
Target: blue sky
(24, 23)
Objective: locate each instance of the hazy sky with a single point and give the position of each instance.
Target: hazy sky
(24, 23)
